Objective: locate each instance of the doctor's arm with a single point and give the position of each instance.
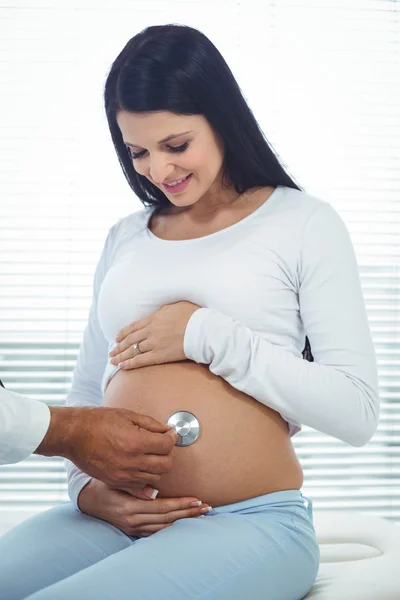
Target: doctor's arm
(31, 427)
(336, 394)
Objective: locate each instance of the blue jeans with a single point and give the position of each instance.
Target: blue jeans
(264, 548)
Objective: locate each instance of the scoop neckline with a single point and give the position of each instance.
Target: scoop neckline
(218, 233)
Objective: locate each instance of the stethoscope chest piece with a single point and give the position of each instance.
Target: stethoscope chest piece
(186, 425)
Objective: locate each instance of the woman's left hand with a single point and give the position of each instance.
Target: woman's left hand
(160, 337)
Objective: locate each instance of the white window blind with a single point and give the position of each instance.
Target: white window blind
(323, 79)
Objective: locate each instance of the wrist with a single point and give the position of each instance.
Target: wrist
(82, 500)
(57, 441)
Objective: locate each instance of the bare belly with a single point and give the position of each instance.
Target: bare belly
(244, 449)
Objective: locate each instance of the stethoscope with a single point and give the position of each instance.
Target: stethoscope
(186, 425)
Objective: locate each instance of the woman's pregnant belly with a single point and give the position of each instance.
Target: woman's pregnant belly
(244, 449)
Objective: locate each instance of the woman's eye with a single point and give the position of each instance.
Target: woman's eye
(134, 154)
(182, 148)
(179, 148)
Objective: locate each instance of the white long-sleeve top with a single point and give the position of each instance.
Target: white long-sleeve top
(285, 271)
(23, 424)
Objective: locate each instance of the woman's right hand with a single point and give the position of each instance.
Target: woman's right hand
(135, 517)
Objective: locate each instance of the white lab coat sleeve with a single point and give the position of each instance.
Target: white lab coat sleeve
(23, 424)
(92, 358)
(336, 394)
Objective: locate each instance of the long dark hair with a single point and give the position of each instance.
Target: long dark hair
(176, 68)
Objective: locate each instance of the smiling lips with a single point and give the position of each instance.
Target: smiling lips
(181, 180)
(178, 187)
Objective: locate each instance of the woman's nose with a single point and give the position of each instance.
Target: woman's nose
(160, 170)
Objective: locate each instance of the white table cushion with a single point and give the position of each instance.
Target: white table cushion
(360, 557)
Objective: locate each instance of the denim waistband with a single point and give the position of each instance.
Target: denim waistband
(294, 497)
(309, 506)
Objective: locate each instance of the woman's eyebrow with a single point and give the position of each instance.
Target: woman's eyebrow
(166, 139)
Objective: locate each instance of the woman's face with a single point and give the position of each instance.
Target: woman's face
(196, 151)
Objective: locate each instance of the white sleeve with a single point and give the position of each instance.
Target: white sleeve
(92, 359)
(337, 394)
(23, 424)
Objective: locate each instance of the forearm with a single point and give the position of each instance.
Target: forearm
(342, 402)
(77, 480)
(58, 440)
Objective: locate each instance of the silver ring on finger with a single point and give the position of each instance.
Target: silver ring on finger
(136, 347)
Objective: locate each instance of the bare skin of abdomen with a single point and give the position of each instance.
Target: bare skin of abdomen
(244, 449)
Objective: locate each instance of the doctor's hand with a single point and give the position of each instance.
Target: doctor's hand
(124, 449)
(135, 517)
(159, 337)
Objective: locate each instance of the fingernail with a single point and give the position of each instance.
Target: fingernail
(199, 503)
(206, 510)
(150, 492)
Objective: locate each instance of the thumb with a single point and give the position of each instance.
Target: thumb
(146, 493)
(174, 434)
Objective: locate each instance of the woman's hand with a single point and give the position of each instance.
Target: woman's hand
(140, 518)
(160, 337)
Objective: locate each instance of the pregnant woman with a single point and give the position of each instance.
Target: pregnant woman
(212, 290)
